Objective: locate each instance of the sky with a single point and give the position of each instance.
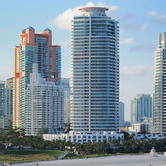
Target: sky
(140, 23)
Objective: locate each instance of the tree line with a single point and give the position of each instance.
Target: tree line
(16, 137)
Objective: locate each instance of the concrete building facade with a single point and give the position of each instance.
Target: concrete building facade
(121, 114)
(44, 105)
(65, 83)
(9, 102)
(85, 137)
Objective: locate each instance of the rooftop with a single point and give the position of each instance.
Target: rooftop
(47, 29)
(97, 11)
(93, 8)
(30, 28)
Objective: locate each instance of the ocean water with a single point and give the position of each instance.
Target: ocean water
(119, 160)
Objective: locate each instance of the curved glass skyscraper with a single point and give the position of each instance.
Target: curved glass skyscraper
(95, 71)
(159, 96)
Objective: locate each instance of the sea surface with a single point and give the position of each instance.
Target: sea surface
(119, 160)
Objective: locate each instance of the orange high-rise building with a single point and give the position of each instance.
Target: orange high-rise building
(34, 48)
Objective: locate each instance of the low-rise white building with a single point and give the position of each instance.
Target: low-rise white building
(149, 136)
(44, 105)
(141, 127)
(85, 137)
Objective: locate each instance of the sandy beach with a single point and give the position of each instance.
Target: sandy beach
(123, 160)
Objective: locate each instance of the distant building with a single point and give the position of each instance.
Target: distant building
(148, 137)
(9, 102)
(95, 71)
(141, 127)
(159, 96)
(44, 105)
(2, 103)
(66, 110)
(2, 98)
(121, 114)
(65, 83)
(33, 48)
(141, 107)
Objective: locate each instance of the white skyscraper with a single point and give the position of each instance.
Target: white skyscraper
(95, 71)
(159, 96)
(141, 107)
(44, 105)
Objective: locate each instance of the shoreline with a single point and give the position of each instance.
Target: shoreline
(135, 160)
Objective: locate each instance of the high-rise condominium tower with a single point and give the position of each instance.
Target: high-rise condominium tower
(6, 103)
(44, 105)
(95, 71)
(141, 107)
(2, 98)
(159, 96)
(2, 103)
(9, 102)
(34, 48)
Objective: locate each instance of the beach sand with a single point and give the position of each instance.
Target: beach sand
(119, 160)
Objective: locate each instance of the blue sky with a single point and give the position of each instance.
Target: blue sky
(140, 23)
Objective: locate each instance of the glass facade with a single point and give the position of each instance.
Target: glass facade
(159, 96)
(2, 99)
(2, 103)
(9, 102)
(58, 64)
(34, 48)
(141, 107)
(95, 72)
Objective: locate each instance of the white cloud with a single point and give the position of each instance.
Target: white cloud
(63, 20)
(136, 70)
(143, 27)
(126, 41)
(143, 47)
(161, 19)
(152, 13)
(64, 43)
(132, 25)
(122, 30)
(113, 11)
(91, 4)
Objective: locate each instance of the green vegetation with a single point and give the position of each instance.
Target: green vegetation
(18, 156)
(72, 156)
(13, 143)
(53, 153)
